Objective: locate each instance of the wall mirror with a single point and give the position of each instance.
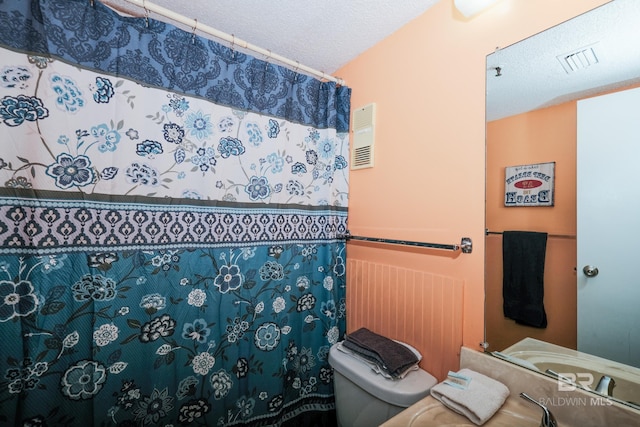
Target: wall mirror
(540, 92)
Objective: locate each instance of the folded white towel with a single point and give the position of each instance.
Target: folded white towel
(482, 398)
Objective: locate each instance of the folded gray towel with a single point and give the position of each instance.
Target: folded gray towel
(375, 366)
(391, 356)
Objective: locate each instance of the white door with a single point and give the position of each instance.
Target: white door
(608, 226)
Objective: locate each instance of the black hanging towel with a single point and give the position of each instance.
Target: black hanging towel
(523, 254)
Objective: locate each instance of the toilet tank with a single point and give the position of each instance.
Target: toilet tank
(365, 398)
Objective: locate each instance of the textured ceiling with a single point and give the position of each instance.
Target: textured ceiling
(323, 35)
(327, 34)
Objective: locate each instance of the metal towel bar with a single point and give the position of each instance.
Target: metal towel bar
(465, 245)
(561, 236)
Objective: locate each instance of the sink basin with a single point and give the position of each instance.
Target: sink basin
(584, 369)
(627, 387)
(431, 413)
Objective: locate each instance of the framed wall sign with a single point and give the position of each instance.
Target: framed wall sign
(529, 185)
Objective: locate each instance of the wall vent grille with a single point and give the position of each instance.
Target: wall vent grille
(578, 59)
(363, 137)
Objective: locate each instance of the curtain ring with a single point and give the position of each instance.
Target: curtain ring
(295, 70)
(233, 46)
(266, 61)
(193, 34)
(146, 13)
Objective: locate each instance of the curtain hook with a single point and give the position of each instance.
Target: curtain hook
(266, 61)
(146, 13)
(233, 46)
(193, 34)
(295, 70)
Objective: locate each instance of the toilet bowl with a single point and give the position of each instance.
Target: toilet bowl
(365, 398)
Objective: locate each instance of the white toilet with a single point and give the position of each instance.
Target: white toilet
(367, 399)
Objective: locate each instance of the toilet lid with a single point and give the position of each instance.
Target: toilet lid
(402, 392)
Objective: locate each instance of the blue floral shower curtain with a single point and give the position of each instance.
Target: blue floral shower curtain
(170, 212)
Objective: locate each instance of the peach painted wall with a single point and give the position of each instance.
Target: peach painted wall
(428, 184)
(545, 135)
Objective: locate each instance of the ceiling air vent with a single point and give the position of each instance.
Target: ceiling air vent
(578, 59)
(363, 137)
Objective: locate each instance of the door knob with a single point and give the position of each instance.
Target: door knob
(590, 271)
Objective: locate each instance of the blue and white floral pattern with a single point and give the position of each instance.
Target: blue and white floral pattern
(83, 380)
(146, 333)
(169, 221)
(144, 152)
(16, 110)
(16, 299)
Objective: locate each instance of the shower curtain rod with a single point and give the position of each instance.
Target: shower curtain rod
(197, 26)
(465, 245)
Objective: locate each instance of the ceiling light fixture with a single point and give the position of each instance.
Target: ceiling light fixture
(471, 8)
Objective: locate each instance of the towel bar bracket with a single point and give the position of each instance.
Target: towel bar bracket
(467, 245)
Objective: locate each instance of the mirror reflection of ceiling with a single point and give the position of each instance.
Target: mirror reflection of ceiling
(589, 54)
